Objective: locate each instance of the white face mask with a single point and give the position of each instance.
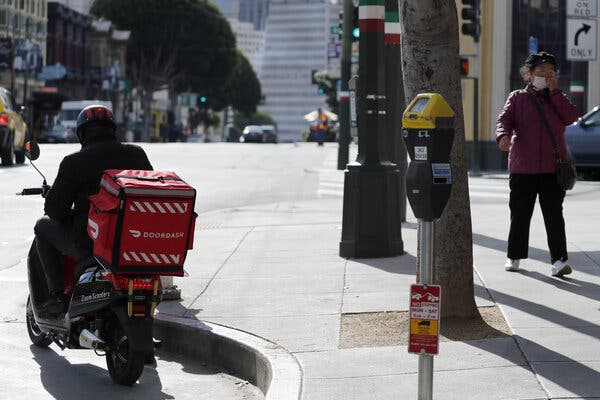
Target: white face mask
(540, 82)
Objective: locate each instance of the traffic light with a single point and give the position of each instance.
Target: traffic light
(470, 16)
(464, 66)
(355, 25)
(313, 78)
(340, 25)
(203, 99)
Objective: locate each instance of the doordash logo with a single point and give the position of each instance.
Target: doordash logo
(135, 234)
(157, 235)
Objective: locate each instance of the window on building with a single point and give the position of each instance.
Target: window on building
(22, 5)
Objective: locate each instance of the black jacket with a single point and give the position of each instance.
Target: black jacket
(79, 176)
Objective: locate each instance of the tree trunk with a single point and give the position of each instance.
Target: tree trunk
(430, 63)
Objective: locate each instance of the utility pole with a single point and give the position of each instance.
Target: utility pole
(26, 66)
(13, 43)
(472, 27)
(395, 104)
(371, 223)
(344, 133)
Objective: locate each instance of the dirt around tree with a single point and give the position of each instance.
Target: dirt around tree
(380, 329)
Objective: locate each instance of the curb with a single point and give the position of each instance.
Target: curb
(268, 366)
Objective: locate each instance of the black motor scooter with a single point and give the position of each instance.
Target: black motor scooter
(108, 313)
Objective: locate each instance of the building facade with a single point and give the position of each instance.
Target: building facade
(255, 12)
(505, 41)
(250, 41)
(22, 45)
(296, 42)
(81, 6)
(69, 37)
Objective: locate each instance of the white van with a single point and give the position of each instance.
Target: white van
(69, 110)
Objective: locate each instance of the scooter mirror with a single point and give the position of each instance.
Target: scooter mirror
(32, 150)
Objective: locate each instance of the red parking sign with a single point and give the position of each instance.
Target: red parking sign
(424, 319)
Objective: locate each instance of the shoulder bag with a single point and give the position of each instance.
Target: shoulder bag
(566, 174)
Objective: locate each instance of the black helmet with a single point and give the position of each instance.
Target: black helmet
(95, 115)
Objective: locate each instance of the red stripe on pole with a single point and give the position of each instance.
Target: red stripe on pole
(371, 25)
(391, 38)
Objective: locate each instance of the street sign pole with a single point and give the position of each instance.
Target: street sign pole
(426, 272)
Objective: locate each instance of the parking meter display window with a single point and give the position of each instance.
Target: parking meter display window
(419, 105)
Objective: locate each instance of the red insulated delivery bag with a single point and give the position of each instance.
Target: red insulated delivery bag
(142, 222)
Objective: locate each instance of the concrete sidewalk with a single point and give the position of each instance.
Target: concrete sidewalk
(274, 271)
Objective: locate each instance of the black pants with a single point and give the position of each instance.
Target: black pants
(523, 191)
(53, 240)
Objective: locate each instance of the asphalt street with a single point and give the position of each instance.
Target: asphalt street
(225, 176)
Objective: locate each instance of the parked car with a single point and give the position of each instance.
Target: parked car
(252, 133)
(583, 141)
(269, 134)
(13, 130)
(58, 134)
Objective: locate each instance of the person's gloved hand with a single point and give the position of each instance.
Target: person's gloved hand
(45, 189)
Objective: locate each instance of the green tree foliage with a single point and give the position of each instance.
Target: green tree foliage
(192, 35)
(243, 89)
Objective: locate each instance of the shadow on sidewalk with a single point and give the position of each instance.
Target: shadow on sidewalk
(571, 285)
(405, 264)
(563, 371)
(534, 253)
(65, 381)
(575, 377)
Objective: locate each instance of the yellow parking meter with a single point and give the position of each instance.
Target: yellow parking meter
(428, 130)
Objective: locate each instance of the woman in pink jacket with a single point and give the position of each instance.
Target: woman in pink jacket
(520, 130)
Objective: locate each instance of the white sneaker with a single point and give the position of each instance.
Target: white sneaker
(512, 265)
(560, 268)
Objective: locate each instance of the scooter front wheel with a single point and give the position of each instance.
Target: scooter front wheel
(38, 338)
(125, 366)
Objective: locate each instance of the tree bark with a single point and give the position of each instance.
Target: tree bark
(430, 63)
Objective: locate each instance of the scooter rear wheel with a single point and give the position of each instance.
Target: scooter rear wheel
(38, 338)
(125, 366)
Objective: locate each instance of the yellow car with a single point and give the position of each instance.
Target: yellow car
(13, 130)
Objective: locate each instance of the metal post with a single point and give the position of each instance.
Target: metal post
(344, 132)
(370, 222)
(476, 167)
(427, 276)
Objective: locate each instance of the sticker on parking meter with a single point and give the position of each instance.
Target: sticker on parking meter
(441, 173)
(421, 153)
(424, 319)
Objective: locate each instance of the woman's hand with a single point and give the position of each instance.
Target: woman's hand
(504, 143)
(552, 82)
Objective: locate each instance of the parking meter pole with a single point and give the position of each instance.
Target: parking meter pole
(370, 222)
(426, 274)
(344, 99)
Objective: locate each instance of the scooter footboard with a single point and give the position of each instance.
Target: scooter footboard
(137, 329)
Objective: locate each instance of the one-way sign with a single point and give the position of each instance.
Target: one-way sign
(581, 39)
